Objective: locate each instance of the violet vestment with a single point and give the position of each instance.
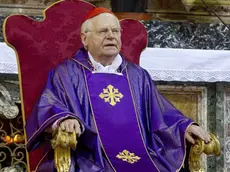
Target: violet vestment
(126, 110)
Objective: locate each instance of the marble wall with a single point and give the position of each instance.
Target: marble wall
(188, 35)
(227, 128)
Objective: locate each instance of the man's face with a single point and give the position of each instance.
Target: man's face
(104, 39)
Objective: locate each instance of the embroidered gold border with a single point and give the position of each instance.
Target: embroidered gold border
(185, 147)
(138, 120)
(46, 122)
(94, 120)
(96, 124)
(92, 70)
(81, 64)
(142, 135)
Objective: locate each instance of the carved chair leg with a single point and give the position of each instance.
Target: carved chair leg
(62, 143)
(212, 148)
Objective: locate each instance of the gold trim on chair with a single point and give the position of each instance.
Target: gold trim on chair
(212, 148)
(62, 143)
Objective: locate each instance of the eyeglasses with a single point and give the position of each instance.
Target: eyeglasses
(104, 32)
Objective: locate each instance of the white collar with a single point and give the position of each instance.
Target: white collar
(106, 69)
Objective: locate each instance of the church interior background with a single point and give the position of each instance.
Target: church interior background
(186, 25)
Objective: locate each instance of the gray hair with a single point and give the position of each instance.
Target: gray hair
(87, 25)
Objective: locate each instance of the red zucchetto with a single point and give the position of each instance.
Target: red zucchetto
(96, 11)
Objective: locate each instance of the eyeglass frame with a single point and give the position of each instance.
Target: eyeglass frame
(104, 31)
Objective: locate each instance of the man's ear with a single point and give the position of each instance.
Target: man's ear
(84, 39)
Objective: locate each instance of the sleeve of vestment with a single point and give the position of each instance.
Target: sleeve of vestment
(54, 103)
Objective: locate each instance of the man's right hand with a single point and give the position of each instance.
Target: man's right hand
(71, 125)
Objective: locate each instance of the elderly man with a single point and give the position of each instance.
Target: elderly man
(123, 123)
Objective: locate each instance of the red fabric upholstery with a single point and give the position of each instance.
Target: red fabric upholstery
(40, 46)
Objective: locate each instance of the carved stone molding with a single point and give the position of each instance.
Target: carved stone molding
(209, 2)
(192, 102)
(35, 7)
(9, 96)
(189, 10)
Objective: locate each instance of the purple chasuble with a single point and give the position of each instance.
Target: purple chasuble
(117, 122)
(138, 126)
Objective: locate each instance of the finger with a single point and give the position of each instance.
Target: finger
(189, 138)
(205, 135)
(199, 133)
(67, 127)
(77, 127)
(76, 123)
(71, 127)
(207, 139)
(63, 126)
(78, 130)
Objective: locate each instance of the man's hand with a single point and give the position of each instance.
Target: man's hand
(71, 125)
(197, 131)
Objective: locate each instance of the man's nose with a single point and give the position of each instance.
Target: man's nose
(109, 34)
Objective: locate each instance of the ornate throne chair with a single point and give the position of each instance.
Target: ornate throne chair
(40, 46)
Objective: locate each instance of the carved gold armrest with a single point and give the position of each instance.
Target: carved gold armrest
(213, 147)
(62, 143)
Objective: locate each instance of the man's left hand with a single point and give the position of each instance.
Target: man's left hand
(194, 130)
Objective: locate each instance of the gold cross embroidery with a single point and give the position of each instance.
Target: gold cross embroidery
(111, 95)
(128, 157)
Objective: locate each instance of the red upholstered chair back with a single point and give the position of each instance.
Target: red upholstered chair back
(40, 46)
